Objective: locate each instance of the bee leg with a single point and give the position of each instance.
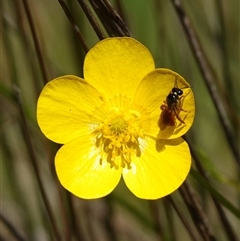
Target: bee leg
(176, 114)
(180, 109)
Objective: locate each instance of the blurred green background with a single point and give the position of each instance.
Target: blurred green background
(120, 216)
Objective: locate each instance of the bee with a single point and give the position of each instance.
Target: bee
(172, 107)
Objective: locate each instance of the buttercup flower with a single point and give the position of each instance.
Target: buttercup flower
(111, 124)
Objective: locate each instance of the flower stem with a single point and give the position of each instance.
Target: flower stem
(92, 19)
(74, 25)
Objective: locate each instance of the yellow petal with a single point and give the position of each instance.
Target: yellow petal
(80, 172)
(116, 66)
(65, 107)
(152, 93)
(161, 169)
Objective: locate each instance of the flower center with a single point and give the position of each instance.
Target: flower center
(118, 138)
(118, 126)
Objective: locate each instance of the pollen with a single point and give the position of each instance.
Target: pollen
(118, 138)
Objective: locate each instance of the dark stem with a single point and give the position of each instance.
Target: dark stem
(74, 25)
(156, 219)
(225, 223)
(36, 42)
(119, 21)
(228, 82)
(34, 161)
(76, 229)
(92, 19)
(195, 209)
(170, 219)
(183, 219)
(111, 20)
(13, 230)
(26, 41)
(109, 219)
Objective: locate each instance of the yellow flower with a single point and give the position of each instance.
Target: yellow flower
(110, 123)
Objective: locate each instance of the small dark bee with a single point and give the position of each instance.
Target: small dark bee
(172, 107)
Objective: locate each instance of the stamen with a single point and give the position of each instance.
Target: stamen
(117, 137)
